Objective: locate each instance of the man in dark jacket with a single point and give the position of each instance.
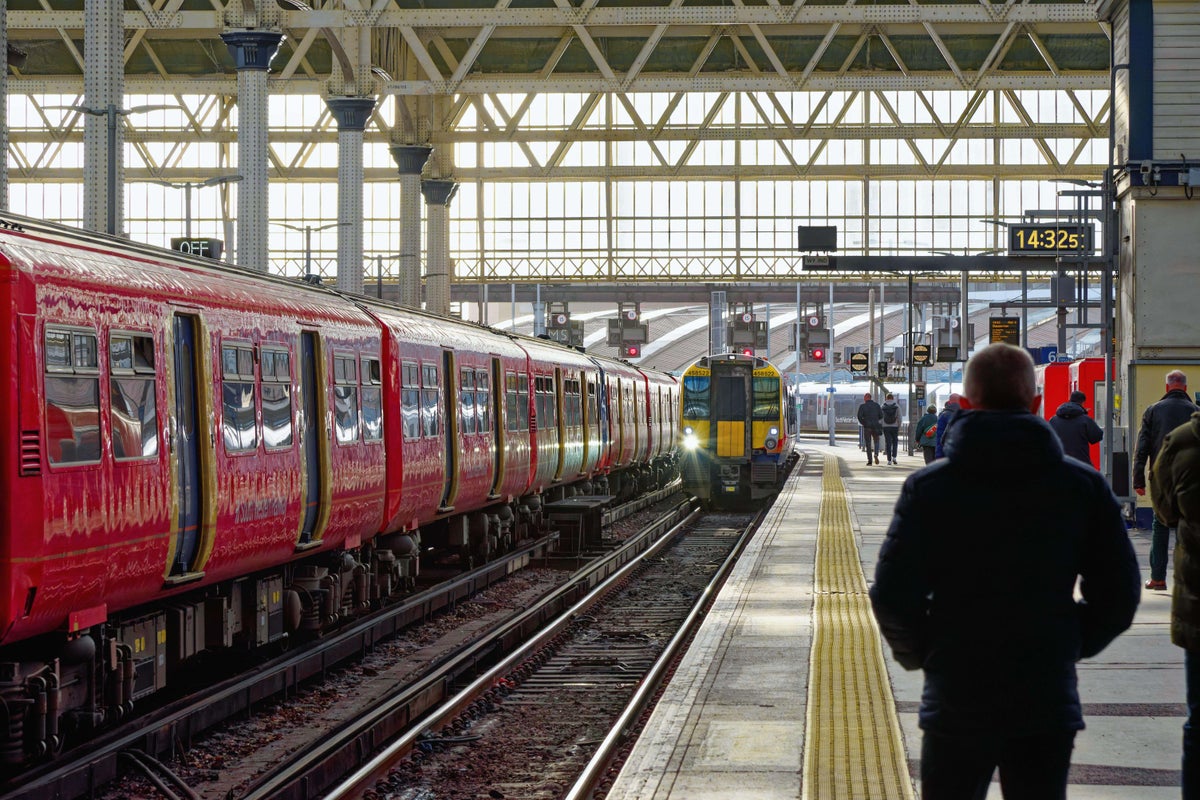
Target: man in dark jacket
(870, 416)
(1176, 493)
(1159, 419)
(980, 595)
(943, 422)
(1076, 430)
(926, 433)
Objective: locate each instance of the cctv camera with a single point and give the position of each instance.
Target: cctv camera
(1146, 167)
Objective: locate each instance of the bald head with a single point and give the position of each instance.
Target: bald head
(1000, 378)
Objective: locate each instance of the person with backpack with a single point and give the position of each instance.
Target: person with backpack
(925, 434)
(890, 411)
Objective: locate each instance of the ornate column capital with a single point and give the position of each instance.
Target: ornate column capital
(252, 49)
(411, 158)
(439, 192)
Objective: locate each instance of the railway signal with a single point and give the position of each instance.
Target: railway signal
(630, 351)
(817, 354)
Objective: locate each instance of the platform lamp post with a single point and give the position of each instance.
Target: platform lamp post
(308, 231)
(111, 111)
(187, 189)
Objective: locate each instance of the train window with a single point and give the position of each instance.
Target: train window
(410, 400)
(766, 399)
(512, 416)
(429, 400)
(544, 403)
(276, 398)
(238, 429)
(72, 384)
(133, 410)
(593, 419)
(466, 401)
(696, 389)
(482, 401)
(345, 399)
(522, 401)
(372, 400)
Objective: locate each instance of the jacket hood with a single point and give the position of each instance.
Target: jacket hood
(1069, 410)
(890, 403)
(998, 441)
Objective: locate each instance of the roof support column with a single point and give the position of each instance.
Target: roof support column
(411, 160)
(252, 51)
(438, 195)
(104, 90)
(351, 114)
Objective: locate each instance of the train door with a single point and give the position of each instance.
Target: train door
(558, 401)
(186, 430)
(587, 412)
(499, 441)
(450, 431)
(310, 437)
(731, 411)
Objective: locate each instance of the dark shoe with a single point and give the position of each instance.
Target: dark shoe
(1158, 585)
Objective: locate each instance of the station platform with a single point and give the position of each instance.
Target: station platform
(788, 691)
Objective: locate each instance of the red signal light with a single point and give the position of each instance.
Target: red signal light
(818, 354)
(748, 351)
(631, 351)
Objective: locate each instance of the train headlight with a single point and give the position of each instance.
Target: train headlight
(772, 440)
(690, 442)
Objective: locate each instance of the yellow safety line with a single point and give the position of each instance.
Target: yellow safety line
(853, 745)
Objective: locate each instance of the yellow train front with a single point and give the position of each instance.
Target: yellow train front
(737, 428)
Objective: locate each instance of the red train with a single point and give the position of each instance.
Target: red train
(200, 457)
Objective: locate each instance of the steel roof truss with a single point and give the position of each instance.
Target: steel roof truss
(891, 112)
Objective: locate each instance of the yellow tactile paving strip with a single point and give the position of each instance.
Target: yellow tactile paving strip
(853, 745)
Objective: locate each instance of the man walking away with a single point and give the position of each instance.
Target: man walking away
(890, 411)
(1076, 430)
(943, 422)
(870, 416)
(980, 595)
(1176, 494)
(1159, 419)
(925, 434)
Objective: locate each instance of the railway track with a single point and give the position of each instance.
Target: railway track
(547, 720)
(174, 727)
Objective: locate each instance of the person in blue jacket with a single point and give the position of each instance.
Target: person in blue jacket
(943, 421)
(979, 594)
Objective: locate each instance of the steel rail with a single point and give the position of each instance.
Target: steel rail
(586, 783)
(378, 766)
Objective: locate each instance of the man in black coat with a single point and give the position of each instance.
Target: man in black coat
(1159, 419)
(1076, 430)
(978, 592)
(870, 416)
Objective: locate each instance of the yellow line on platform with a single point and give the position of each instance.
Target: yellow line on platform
(853, 745)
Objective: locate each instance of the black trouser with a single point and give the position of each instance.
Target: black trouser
(871, 441)
(891, 436)
(928, 453)
(960, 767)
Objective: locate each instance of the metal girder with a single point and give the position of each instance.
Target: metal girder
(565, 15)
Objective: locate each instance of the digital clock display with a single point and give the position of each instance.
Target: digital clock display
(1049, 239)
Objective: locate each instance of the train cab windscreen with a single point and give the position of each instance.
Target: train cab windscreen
(766, 399)
(695, 396)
